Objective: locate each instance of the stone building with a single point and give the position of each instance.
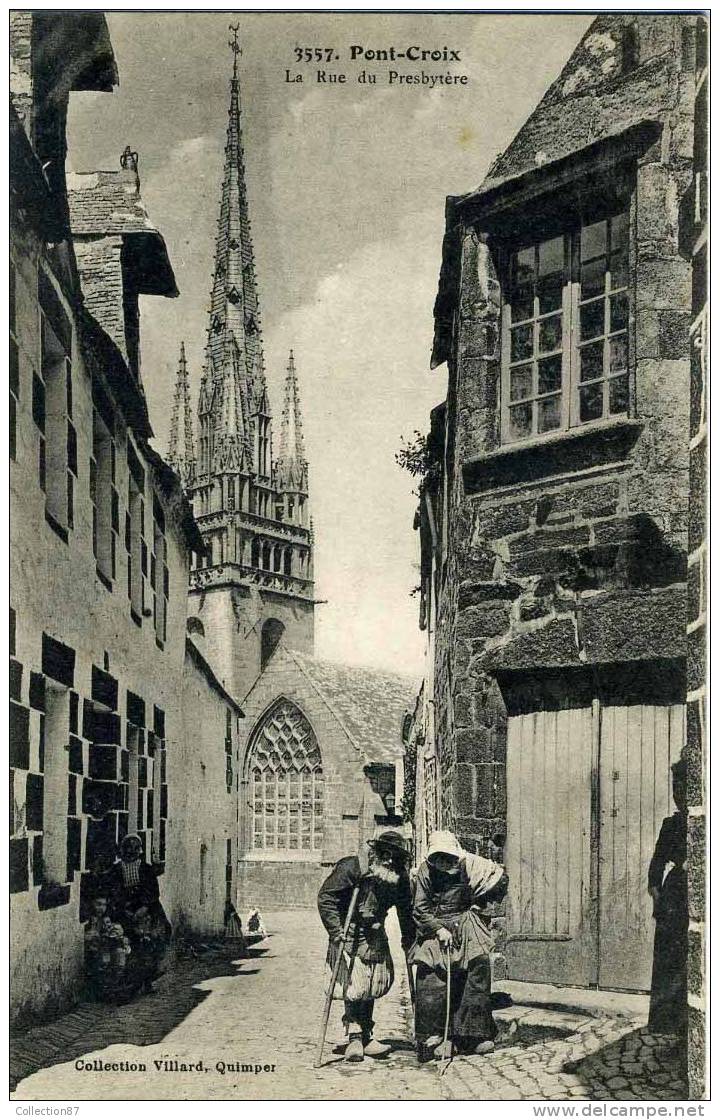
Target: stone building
(554, 516)
(101, 538)
(204, 779)
(320, 745)
(693, 243)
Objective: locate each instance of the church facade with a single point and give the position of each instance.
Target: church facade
(313, 781)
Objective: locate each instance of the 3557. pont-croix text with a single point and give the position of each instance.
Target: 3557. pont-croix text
(319, 65)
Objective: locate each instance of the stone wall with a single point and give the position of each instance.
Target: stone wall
(202, 831)
(99, 575)
(86, 677)
(279, 886)
(232, 618)
(695, 231)
(570, 552)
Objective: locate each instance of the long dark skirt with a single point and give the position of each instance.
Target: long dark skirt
(471, 1018)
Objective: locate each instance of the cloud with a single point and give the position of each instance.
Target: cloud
(362, 345)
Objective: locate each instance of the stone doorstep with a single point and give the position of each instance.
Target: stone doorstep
(590, 1001)
(543, 1017)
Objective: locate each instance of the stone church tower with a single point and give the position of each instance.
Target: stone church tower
(255, 582)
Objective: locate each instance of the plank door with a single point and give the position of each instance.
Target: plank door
(638, 745)
(552, 919)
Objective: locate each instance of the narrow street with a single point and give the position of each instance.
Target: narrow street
(227, 1014)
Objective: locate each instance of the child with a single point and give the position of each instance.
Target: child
(106, 951)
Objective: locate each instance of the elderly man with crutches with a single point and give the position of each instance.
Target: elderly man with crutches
(452, 952)
(353, 903)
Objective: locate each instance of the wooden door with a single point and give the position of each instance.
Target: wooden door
(638, 745)
(552, 915)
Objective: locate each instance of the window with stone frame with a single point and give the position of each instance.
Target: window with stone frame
(159, 574)
(565, 353)
(157, 790)
(55, 800)
(53, 410)
(103, 493)
(135, 535)
(286, 784)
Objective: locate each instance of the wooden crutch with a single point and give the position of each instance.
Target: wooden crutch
(333, 979)
(411, 982)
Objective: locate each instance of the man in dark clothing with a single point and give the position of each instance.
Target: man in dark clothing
(667, 883)
(366, 971)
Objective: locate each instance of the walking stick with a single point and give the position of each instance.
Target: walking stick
(411, 982)
(446, 1061)
(333, 978)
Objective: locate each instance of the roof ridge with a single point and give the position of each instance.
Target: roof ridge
(392, 673)
(331, 707)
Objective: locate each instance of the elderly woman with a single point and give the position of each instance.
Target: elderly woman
(453, 888)
(134, 894)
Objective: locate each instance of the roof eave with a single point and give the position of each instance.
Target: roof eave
(502, 194)
(125, 389)
(207, 670)
(152, 271)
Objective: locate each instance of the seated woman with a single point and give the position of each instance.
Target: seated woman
(134, 894)
(106, 952)
(452, 888)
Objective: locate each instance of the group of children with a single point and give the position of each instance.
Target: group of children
(126, 932)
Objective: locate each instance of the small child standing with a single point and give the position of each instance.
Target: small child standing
(106, 952)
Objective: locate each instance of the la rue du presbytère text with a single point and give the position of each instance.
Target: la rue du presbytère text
(322, 75)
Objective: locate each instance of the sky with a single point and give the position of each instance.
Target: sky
(346, 188)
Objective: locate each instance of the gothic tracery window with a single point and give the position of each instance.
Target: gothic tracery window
(286, 783)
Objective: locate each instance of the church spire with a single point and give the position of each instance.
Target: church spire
(234, 306)
(292, 464)
(181, 450)
(253, 511)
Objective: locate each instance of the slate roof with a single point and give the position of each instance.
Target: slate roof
(595, 96)
(370, 703)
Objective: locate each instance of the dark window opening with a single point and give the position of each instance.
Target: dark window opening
(272, 632)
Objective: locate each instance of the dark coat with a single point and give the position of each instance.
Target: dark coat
(668, 991)
(671, 847)
(440, 900)
(374, 901)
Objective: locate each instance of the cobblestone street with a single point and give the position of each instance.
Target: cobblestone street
(264, 1012)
